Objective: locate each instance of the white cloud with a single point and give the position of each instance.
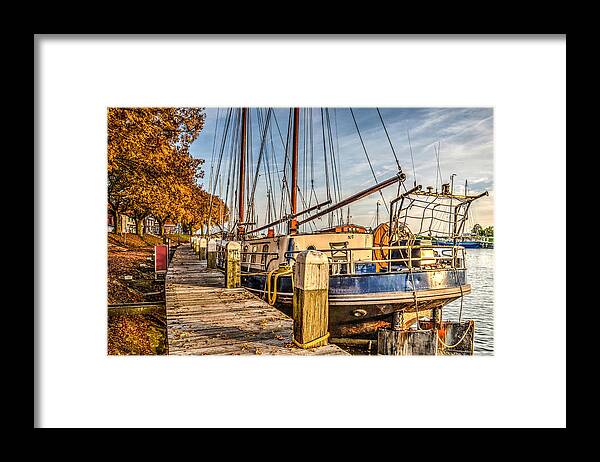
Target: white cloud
(466, 149)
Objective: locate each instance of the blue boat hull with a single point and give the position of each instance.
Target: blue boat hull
(361, 303)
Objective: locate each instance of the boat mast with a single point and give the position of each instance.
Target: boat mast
(293, 226)
(240, 230)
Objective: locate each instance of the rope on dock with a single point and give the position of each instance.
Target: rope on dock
(275, 274)
(312, 342)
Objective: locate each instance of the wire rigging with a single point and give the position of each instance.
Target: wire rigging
(212, 156)
(438, 176)
(260, 155)
(411, 157)
(401, 184)
(335, 162)
(368, 159)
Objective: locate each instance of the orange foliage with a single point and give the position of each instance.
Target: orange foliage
(150, 170)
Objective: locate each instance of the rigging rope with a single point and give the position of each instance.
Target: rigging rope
(368, 160)
(393, 151)
(285, 186)
(334, 163)
(234, 147)
(212, 156)
(312, 165)
(326, 165)
(388, 138)
(260, 156)
(325, 157)
(277, 171)
(411, 157)
(304, 154)
(248, 152)
(222, 149)
(439, 171)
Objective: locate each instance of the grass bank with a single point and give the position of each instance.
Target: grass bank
(131, 280)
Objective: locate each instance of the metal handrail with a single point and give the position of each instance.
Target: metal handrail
(265, 265)
(350, 261)
(454, 259)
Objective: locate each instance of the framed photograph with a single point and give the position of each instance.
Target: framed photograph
(349, 218)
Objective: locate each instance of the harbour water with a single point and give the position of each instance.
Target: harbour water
(479, 304)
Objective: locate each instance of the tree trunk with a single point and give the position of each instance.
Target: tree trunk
(118, 227)
(162, 227)
(139, 227)
(114, 215)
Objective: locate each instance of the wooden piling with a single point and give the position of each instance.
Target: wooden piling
(202, 249)
(310, 303)
(397, 320)
(436, 317)
(233, 268)
(403, 342)
(211, 254)
(457, 338)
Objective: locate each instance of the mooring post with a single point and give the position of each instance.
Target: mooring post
(457, 338)
(211, 255)
(220, 255)
(202, 247)
(233, 268)
(405, 342)
(436, 317)
(400, 341)
(197, 245)
(397, 320)
(310, 302)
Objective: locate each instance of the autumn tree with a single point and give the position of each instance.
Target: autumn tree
(200, 207)
(150, 168)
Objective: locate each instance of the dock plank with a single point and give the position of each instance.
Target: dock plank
(204, 318)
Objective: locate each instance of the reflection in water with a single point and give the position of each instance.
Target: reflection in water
(479, 304)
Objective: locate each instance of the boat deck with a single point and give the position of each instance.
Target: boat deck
(204, 318)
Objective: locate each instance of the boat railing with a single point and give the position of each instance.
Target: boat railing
(250, 262)
(248, 259)
(440, 257)
(398, 258)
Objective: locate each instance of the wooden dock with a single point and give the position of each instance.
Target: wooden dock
(204, 318)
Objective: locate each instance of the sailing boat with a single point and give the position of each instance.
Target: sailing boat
(390, 274)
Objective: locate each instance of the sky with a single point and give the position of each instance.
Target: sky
(464, 137)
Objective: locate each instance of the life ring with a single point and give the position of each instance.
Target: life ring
(381, 238)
